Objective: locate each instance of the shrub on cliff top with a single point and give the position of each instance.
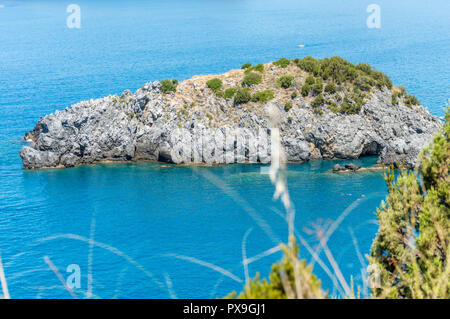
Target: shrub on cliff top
(242, 96)
(349, 107)
(258, 68)
(310, 80)
(251, 79)
(305, 89)
(286, 81)
(229, 93)
(283, 63)
(411, 100)
(214, 84)
(339, 71)
(169, 85)
(332, 106)
(319, 100)
(294, 95)
(382, 80)
(263, 96)
(364, 83)
(330, 88)
(246, 65)
(317, 88)
(309, 64)
(394, 100)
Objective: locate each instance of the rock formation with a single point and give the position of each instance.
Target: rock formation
(196, 124)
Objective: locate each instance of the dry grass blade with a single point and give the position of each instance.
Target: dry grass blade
(169, 286)
(259, 220)
(3, 281)
(60, 277)
(244, 255)
(90, 256)
(207, 265)
(112, 250)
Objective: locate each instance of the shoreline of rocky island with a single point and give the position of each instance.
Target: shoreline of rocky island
(328, 109)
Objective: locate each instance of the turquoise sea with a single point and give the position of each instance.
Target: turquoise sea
(150, 231)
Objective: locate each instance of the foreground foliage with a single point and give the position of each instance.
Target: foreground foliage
(412, 248)
(289, 278)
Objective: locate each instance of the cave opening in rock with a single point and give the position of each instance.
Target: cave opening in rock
(371, 149)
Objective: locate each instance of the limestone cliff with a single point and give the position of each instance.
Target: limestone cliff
(329, 109)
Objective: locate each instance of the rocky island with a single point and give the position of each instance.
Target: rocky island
(328, 109)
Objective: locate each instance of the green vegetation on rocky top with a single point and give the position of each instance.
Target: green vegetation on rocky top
(214, 84)
(169, 85)
(332, 84)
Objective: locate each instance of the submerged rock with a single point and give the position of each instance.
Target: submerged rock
(352, 167)
(195, 125)
(347, 168)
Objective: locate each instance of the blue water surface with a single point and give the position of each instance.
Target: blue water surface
(149, 231)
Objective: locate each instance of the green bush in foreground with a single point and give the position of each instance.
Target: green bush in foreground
(251, 79)
(242, 96)
(263, 96)
(286, 81)
(246, 66)
(287, 106)
(214, 84)
(412, 247)
(169, 85)
(282, 282)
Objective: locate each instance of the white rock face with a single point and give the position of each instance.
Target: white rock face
(150, 125)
